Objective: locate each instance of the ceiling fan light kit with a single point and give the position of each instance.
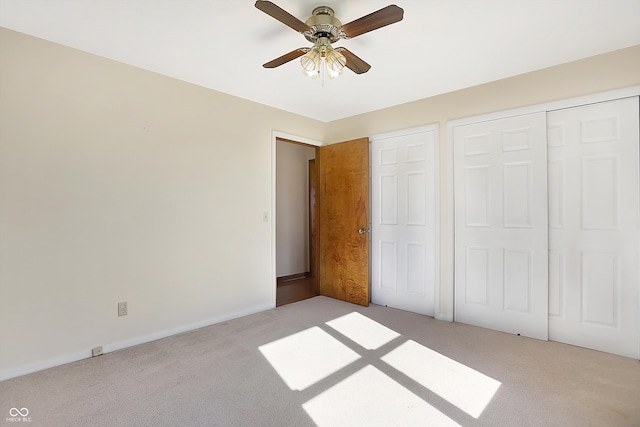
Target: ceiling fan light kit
(322, 29)
(323, 57)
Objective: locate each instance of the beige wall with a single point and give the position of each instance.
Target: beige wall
(600, 73)
(119, 184)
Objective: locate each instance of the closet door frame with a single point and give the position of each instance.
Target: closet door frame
(444, 307)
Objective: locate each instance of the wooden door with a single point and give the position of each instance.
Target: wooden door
(313, 225)
(594, 217)
(344, 221)
(501, 248)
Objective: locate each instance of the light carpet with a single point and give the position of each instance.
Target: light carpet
(325, 362)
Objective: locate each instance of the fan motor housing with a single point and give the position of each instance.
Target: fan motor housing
(323, 24)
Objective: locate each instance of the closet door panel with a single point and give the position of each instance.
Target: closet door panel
(594, 226)
(501, 249)
(404, 221)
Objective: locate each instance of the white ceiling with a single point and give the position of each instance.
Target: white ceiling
(440, 46)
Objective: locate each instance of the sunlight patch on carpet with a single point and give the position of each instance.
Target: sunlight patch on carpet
(364, 331)
(371, 398)
(460, 385)
(304, 358)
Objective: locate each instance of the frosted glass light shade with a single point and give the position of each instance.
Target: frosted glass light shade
(336, 61)
(310, 61)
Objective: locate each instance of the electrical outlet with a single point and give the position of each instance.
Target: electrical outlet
(122, 309)
(97, 351)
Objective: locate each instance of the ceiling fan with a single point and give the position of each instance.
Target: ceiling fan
(322, 29)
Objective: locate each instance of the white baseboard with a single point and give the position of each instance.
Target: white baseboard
(108, 348)
(19, 371)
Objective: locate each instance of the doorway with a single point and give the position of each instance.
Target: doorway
(342, 270)
(296, 221)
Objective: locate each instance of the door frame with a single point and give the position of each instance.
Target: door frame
(445, 306)
(275, 135)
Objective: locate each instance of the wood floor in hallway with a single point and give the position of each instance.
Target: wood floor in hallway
(295, 289)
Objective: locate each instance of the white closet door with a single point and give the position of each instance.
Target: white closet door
(403, 226)
(501, 245)
(594, 226)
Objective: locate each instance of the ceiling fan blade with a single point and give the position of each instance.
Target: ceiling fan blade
(282, 15)
(354, 63)
(286, 57)
(383, 17)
